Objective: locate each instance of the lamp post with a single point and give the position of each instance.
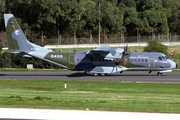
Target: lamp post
(99, 22)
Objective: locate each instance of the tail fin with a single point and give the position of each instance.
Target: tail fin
(17, 41)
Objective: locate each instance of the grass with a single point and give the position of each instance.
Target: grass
(95, 95)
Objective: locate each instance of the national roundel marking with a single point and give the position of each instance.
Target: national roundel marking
(17, 32)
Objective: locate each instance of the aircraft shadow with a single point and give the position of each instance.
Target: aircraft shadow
(79, 75)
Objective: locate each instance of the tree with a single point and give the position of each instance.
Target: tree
(153, 15)
(74, 14)
(111, 20)
(174, 15)
(2, 10)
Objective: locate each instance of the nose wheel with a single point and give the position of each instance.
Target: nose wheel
(159, 74)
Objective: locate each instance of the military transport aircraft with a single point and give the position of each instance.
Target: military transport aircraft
(99, 61)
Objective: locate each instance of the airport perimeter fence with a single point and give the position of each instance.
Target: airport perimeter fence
(109, 40)
(58, 40)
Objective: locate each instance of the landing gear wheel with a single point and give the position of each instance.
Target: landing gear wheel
(159, 74)
(103, 74)
(99, 74)
(95, 74)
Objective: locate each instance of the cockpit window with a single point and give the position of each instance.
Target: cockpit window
(166, 57)
(159, 58)
(163, 58)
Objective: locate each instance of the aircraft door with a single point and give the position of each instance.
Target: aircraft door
(72, 60)
(151, 62)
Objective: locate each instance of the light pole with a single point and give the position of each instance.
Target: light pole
(99, 21)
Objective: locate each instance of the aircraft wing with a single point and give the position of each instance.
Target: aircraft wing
(101, 51)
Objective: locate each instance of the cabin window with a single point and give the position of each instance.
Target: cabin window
(131, 60)
(77, 60)
(135, 60)
(117, 60)
(146, 60)
(138, 60)
(142, 60)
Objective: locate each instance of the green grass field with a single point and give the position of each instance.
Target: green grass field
(95, 95)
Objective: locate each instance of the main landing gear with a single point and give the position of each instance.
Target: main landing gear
(99, 74)
(159, 74)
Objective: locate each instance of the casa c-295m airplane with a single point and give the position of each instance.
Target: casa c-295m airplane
(99, 61)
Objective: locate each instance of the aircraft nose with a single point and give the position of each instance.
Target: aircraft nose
(173, 64)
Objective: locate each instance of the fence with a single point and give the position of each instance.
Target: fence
(132, 39)
(65, 41)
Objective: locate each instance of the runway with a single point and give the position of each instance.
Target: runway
(172, 77)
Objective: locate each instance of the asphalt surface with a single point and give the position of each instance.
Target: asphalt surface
(172, 77)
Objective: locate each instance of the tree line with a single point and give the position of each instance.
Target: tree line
(80, 18)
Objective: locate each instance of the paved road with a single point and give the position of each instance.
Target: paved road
(173, 77)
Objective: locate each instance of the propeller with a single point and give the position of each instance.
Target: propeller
(126, 52)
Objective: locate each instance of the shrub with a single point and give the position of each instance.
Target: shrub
(155, 46)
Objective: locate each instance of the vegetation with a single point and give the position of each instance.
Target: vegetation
(155, 46)
(177, 59)
(78, 17)
(95, 95)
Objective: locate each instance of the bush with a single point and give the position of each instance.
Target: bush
(177, 56)
(155, 46)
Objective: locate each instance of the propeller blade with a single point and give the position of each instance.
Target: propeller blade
(126, 47)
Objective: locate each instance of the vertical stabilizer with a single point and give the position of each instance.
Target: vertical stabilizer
(17, 41)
